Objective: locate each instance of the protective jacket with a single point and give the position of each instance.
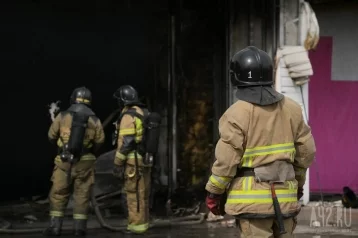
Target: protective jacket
(130, 132)
(82, 172)
(60, 130)
(254, 136)
(137, 176)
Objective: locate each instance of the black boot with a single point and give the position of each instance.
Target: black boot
(80, 227)
(55, 227)
(128, 232)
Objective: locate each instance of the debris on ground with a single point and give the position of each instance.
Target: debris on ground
(30, 218)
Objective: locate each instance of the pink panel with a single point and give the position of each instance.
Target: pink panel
(333, 116)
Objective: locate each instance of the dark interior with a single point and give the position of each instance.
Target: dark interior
(48, 48)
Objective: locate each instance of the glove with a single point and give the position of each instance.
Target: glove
(299, 193)
(118, 172)
(213, 203)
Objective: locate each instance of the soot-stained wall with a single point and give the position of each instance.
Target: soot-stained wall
(48, 50)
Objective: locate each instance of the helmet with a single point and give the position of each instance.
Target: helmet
(251, 67)
(81, 95)
(126, 95)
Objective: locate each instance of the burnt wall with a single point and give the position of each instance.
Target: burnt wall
(47, 50)
(200, 70)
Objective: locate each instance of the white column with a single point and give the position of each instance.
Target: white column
(306, 187)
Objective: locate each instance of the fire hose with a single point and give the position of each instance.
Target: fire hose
(181, 221)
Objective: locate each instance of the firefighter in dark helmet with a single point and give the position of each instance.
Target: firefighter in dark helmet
(78, 134)
(128, 164)
(264, 150)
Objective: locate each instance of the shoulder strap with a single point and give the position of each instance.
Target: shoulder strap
(133, 113)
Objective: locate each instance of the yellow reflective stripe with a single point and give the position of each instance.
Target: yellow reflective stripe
(120, 156)
(290, 185)
(247, 161)
(132, 156)
(138, 228)
(247, 183)
(126, 132)
(266, 150)
(261, 196)
(87, 158)
(56, 214)
(80, 216)
(138, 126)
(82, 100)
(271, 149)
(138, 139)
(219, 181)
(86, 142)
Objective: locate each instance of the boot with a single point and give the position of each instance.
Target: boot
(129, 232)
(55, 227)
(80, 227)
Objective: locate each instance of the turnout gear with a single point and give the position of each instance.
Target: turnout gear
(137, 175)
(254, 228)
(251, 71)
(82, 171)
(55, 227)
(81, 95)
(254, 136)
(126, 95)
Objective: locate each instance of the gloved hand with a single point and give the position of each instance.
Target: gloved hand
(299, 193)
(118, 172)
(213, 203)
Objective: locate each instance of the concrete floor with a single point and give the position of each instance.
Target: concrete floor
(174, 233)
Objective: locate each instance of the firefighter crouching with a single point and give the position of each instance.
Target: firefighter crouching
(132, 162)
(78, 134)
(264, 150)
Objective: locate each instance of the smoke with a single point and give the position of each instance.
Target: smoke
(54, 109)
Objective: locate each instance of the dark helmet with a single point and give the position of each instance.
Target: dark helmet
(251, 67)
(81, 95)
(126, 95)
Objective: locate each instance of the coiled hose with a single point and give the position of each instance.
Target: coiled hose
(182, 221)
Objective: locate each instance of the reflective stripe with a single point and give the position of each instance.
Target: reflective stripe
(86, 142)
(82, 100)
(126, 132)
(120, 156)
(80, 216)
(266, 150)
(138, 139)
(138, 126)
(86, 158)
(131, 155)
(261, 196)
(247, 183)
(138, 228)
(56, 214)
(219, 181)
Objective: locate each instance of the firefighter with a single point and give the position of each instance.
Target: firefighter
(265, 148)
(128, 163)
(78, 134)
